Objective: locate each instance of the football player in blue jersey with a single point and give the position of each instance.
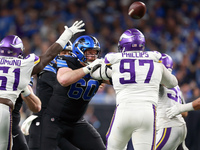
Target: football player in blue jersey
(15, 73)
(44, 90)
(72, 93)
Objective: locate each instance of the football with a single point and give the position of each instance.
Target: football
(137, 10)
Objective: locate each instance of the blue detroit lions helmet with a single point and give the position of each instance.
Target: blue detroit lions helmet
(82, 43)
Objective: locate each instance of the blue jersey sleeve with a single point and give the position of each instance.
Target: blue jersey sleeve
(51, 67)
(61, 63)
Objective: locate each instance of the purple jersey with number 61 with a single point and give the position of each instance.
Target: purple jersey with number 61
(15, 74)
(136, 76)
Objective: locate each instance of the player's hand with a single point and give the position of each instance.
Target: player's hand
(76, 27)
(95, 62)
(173, 111)
(69, 32)
(101, 72)
(89, 67)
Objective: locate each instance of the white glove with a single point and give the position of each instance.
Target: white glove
(178, 109)
(89, 67)
(76, 27)
(173, 111)
(27, 123)
(101, 72)
(69, 32)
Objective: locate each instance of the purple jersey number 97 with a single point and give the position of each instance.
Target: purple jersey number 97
(131, 70)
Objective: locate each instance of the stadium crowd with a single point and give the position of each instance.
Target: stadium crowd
(171, 27)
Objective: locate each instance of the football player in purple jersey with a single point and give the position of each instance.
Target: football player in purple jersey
(16, 72)
(170, 132)
(136, 76)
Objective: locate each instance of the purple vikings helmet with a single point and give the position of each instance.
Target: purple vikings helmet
(167, 61)
(131, 40)
(11, 46)
(81, 44)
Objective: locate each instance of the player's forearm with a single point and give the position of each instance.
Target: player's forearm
(49, 55)
(196, 104)
(186, 107)
(33, 102)
(67, 76)
(70, 77)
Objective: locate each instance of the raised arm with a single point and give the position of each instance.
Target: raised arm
(55, 49)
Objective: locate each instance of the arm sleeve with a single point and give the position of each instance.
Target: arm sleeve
(168, 79)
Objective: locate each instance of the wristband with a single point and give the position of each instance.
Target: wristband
(65, 37)
(86, 69)
(186, 107)
(26, 92)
